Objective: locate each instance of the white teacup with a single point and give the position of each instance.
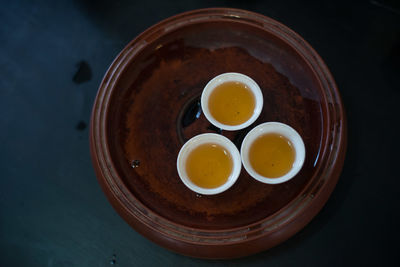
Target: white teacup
(232, 77)
(209, 138)
(285, 131)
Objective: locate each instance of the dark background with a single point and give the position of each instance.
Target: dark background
(53, 57)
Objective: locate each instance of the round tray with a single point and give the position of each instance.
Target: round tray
(148, 105)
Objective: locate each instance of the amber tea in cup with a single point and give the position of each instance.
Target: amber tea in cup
(272, 155)
(209, 165)
(232, 103)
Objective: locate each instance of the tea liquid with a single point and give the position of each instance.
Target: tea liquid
(209, 165)
(272, 155)
(232, 103)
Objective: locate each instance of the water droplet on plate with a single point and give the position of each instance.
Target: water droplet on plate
(135, 163)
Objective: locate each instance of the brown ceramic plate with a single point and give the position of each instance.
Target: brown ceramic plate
(148, 105)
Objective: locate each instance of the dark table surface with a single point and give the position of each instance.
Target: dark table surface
(53, 57)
